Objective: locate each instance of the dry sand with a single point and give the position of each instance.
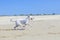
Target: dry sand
(43, 28)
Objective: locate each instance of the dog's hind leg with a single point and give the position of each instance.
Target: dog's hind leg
(15, 27)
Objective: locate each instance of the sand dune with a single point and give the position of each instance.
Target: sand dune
(43, 28)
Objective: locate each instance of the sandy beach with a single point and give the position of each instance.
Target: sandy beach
(42, 28)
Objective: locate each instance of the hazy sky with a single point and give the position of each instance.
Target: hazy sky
(11, 7)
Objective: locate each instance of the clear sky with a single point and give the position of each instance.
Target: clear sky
(11, 7)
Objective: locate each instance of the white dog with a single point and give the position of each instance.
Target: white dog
(21, 22)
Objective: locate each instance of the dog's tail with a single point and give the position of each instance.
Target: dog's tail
(12, 20)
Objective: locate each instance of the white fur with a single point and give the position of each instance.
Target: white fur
(20, 22)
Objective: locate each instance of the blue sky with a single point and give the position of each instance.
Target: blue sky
(11, 7)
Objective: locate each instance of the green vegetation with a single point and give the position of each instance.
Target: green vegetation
(29, 14)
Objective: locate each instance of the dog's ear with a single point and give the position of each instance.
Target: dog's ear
(32, 18)
(28, 16)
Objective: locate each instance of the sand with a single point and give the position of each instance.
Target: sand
(41, 28)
